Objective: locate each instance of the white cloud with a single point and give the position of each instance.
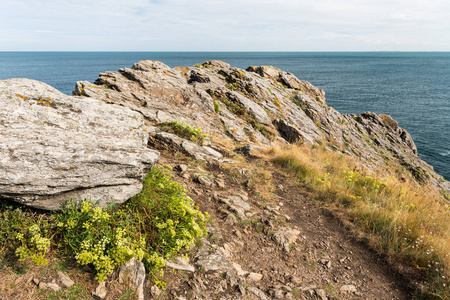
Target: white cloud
(180, 25)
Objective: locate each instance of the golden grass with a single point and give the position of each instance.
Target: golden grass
(397, 216)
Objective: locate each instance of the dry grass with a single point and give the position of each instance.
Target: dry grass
(398, 217)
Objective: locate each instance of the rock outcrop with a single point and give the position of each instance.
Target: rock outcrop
(55, 147)
(256, 106)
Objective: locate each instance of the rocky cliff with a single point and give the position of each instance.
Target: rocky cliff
(257, 106)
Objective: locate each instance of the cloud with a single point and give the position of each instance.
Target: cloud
(180, 25)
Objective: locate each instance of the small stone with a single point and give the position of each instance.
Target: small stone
(321, 294)
(348, 288)
(65, 280)
(254, 277)
(230, 220)
(260, 294)
(204, 180)
(296, 280)
(220, 183)
(53, 286)
(155, 291)
(43, 286)
(181, 168)
(29, 279)
(100, 291)
(239, 270)
(280, 187)
(278, 294)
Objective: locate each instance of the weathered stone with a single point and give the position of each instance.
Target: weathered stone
(254, 277)
(132, 274)
(204, 181)
(65, 280)
(56, 147)
(290, 109)
(348, 288)
(239, 270)
(260, 294)
(180, 264)
(53, 286)
(285, 237)
(230, 219)
(100, 291)
(211, 261)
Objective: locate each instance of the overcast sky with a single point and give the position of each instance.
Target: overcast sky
(231, 25)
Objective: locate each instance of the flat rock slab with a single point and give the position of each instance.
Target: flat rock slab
(57, 147)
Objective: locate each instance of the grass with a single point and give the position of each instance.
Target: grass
(185, 131)
(401, 218)
(75, 292)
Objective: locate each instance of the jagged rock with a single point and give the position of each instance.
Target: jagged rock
(65, 280)
(53, 286)
(56, 147)
(239, 270)
(236, 203)
(208, 261)
(230, 219)
(205, 181)
(132, 274)
(256, 106)
(247, 150)
(100, 291)
(260, 294)
(348, 288)
(285, 237)
(321, 294)
(155, 291)
(181, 168)
(180, 264)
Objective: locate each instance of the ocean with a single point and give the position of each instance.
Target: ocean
(412, 87)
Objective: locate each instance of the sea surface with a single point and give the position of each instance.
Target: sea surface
(414, 88)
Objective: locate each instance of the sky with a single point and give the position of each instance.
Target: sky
(225, 25)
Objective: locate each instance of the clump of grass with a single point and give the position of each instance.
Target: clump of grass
(216, 107)
(185, 131)
(403, 219)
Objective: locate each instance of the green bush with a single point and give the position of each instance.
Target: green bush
(152, 226)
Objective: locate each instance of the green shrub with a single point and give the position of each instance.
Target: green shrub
(185, 131)
(152, 226)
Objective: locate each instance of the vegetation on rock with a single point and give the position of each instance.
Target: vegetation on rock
(185, 131)
(153, 226)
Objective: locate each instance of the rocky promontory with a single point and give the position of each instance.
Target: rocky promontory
(257, 106)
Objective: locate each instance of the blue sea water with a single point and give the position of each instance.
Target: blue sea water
(414, 88)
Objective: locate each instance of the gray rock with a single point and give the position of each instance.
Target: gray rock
(211, 262)
(204, 181)
(285, 237)
(132, 274)
(53, 286)
(290, 109)
(56, 147)
(180, 264)
(254, 277)
(65, 280)
(260, 294)
(100, 291)
(348, 288)
(230, 219)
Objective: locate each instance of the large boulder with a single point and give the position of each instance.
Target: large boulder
(57, 147)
